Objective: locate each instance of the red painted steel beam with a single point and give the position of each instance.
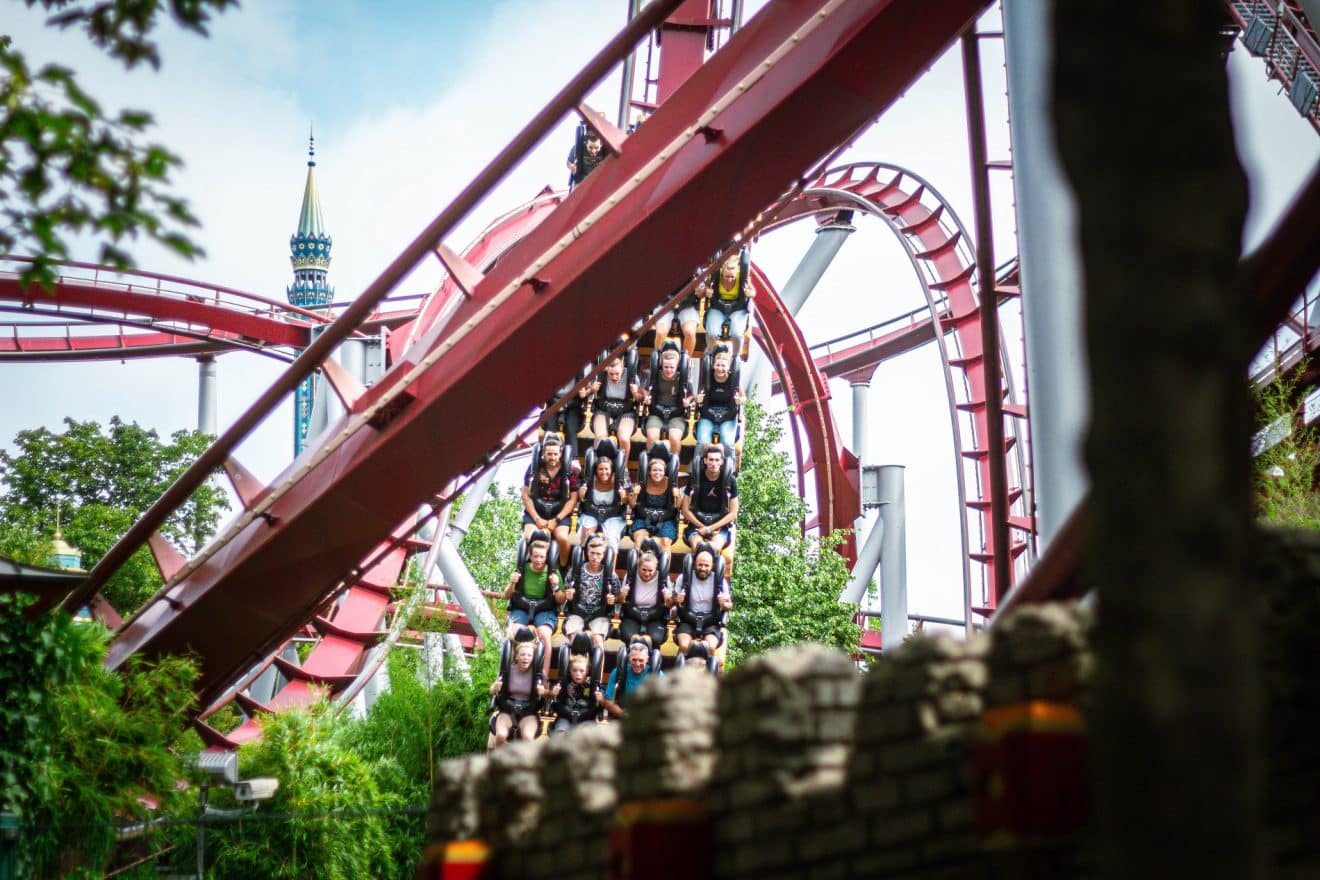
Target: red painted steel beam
(838, 495)
(347, 321)
(790, 86)
(107, 300)
(872, 353)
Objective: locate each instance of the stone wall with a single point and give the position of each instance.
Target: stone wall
(806, 768)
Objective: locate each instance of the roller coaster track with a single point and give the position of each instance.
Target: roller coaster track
(938, 248)
(1279, 33)
(815, 71)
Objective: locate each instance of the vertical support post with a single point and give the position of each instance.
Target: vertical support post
(1051, 274)
(985, 271)
(629, 70)
(830, 237)
(860, 395)
(206, 402)
(893, 557)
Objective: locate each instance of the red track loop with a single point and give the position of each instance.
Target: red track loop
(938, 248)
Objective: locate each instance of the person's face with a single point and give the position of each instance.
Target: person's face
(646, 568)
(637, 658)
(538, 557)
(614, 371)
(721, 367)
(703, 565)
(668, 364)
(595, 554)
(656, 469)
(593, 145)
(523, 657)
(729, 271)
(604, 470)
(578, 672)
(551, 456)
(713, 461)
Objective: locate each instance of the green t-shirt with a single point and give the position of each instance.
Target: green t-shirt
(535, 583)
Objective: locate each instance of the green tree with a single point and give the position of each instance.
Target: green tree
(413, 726)
(327, 819)
(85, 750)
(491, 544)
(100, 481)
(785, 586)
(1286, 490)
(67, 166)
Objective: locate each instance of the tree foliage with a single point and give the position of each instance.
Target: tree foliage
(491, 544)
(326, 818)
(84, 750)
(786, 586)
(413, 726)
(353, 793)
(67, 166)
(101, 480)
(1287, 492)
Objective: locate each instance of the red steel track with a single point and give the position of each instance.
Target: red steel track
(719, 149)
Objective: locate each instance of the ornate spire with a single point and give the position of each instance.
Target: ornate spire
(309, 247)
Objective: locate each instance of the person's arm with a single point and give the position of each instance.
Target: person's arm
(566, 594)
(727, 518)
(530, 507)
(686, 510)
(570, 501)
(513, 582)
(607, 699)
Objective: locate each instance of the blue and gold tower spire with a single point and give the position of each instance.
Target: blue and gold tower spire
(309, 251)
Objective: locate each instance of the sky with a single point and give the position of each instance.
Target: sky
(409, 100)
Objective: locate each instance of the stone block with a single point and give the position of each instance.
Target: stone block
(844, 839)
(668, 743)
(876, 795)
(509, 793)
(885, 863)
(578, 768)
(928, 786)
(453, 813)
(957, 814)
(892, 829)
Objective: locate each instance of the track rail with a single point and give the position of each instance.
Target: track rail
(816, 71)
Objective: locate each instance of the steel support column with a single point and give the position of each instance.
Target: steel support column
(819, 256)
(206, 402)
(893, 557)
(860, 394)
(989, 307)
(1051, 276)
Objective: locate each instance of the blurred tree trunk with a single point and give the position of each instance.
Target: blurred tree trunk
(1142, 121)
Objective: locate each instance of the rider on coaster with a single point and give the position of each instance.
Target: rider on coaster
(656, 501)
(615, 411)
(591, 593)
(701, 596)
(646, 598)
(576, 700)
(549, 492)
(719, 400)
(669, 397)
(729, 296)
(602, 501)
(530, 592)
(586, 154)
(710, 502)
(631, 674)
(516, 696)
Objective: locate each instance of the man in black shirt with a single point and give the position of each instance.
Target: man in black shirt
(710, 502)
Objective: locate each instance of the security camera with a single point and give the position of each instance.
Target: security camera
(260, 788)
(220, 766)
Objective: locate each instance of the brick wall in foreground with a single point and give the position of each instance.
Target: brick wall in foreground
(806, 768)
